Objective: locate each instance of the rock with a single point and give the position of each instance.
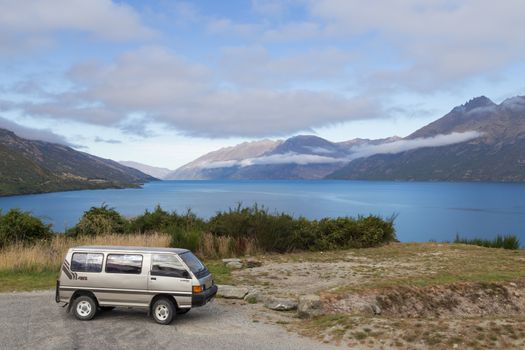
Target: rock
(512, 284)
(225, 261)
(281, 304)
(231, 292)
(309, 306)
(375, 309)
(235, 265)
(251, 263)
(253, 297)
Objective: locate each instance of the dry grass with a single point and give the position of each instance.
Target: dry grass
(49, 255)
(215, 247)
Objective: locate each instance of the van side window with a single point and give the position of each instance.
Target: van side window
(86, 262)
(167, 265)
(124, 263)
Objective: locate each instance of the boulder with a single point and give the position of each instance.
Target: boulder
(375, 309)
(231, 292)
(281, 304)
(234, 265)
(309, 306)
(253, 297)
(252, 262)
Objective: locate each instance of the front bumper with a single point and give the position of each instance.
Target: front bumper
(200, 299)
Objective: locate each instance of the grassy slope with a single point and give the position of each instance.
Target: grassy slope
(431, 264)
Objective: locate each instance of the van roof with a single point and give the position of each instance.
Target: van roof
(131, 249)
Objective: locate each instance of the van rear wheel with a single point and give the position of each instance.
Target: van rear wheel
(84, 308)
(163, 311)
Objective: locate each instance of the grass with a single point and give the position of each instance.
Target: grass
(11, 281)
(505, 242)
(36, 267)
(24, 268)
(221, 273)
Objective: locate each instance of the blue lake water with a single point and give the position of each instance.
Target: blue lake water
(425, 211)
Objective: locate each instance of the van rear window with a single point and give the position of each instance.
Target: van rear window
(86, 262)
(124, 263)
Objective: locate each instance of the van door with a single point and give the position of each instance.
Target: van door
(168, 275)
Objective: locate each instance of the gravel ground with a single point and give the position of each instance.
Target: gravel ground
(32, 320)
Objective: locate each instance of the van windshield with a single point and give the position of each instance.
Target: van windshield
(193, 262)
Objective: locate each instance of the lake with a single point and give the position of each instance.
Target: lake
(425, 211)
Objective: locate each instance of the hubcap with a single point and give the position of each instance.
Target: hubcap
(83, 308)
(162, 312)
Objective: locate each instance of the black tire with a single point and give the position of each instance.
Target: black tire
(106, 308)
(163, 311)
(84, 308)
(182, 311)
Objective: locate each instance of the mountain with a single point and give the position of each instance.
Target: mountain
(209, 165)
(29, 166)
(477, 141)
(496, 154)
(159, 173)
(299, 157)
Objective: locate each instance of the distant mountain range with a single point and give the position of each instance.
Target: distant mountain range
(477, 141)
(29, 166)
(156, 172)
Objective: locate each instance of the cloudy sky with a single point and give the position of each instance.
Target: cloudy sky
(164, 81)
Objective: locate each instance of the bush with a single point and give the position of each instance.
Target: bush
(280, 232)
(100, 221)
(505, 242)
(184, 238)
(22, 227)
(161, 220)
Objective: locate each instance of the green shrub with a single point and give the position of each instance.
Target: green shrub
(160, 220)
(22, 227)
(280, 232)
(505, 242)
(100, 221)
(185, 238)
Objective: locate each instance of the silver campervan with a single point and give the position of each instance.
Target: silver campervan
(165, 281)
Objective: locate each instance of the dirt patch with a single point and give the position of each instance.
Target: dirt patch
(308, 277)
(458, 299)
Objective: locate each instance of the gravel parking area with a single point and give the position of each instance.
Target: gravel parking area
(32, 320)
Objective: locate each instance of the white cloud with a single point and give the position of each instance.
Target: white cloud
(165, 88)
(437, 41)
(407, 145)
(256, 66)
(33, 133)
(285, 158)
(31, 24)
(225, 26)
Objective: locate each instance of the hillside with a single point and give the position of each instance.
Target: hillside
(496, 155)
(29, 166)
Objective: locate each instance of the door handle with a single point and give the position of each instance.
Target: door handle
(153, 278)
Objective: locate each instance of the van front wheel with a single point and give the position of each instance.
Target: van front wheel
(84, 308)
(163, 311)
